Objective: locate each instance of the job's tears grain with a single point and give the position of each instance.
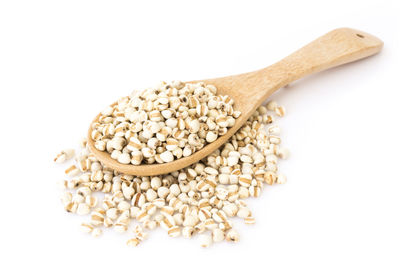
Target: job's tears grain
(162, 124)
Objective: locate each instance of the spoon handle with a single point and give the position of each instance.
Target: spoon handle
(335, 48)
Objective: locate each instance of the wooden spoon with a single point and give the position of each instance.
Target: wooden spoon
(250, 90)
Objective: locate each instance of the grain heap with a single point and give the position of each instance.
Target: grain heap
(164, 123)
(200, 199)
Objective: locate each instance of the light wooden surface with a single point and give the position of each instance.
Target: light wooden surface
(250, 90)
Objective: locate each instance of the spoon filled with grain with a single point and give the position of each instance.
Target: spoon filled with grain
(173, 125)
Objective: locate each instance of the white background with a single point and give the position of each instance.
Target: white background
(63, 61)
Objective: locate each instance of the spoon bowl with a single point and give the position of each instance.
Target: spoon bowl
(250, 90)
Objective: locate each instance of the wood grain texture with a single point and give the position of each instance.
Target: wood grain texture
(250, 90)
